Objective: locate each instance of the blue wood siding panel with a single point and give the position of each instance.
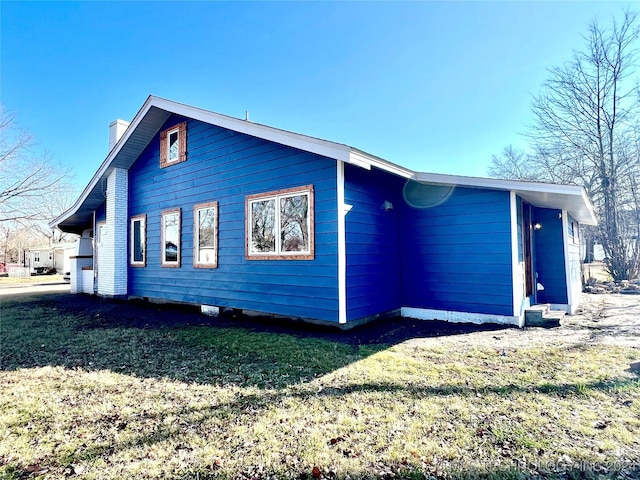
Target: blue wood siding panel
(457, 256)
(372, 236)
(226, 166)
(549, 256)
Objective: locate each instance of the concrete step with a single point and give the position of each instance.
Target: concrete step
(542, 316)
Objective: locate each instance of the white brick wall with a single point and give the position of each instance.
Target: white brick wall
(112, 250)
(116, 130)
(79, 282)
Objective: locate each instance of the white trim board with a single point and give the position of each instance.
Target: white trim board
(571, 307)
(517, 267)
(342, 245)
(458, 317)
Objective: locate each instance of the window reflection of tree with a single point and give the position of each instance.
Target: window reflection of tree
(294, 230)
(263, 215)
(206, 234)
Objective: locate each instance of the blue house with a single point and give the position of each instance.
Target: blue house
(197, 207)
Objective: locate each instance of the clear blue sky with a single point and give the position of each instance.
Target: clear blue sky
(434, 86)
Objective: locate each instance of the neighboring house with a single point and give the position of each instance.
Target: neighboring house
(47, 258)
(193, 206)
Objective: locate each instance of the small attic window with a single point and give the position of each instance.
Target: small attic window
(173, 145)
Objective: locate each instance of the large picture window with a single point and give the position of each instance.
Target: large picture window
(280, 225)
(173, 145)
(205, 231)
(171, 238)
(138, 242)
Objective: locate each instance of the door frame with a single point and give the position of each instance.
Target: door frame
(527, 252)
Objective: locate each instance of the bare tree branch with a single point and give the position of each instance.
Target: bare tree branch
(33, 189)
(585, 131)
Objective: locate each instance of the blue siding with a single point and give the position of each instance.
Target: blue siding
(456, 256)
(226, 166)
(372, 236)
(549, 256)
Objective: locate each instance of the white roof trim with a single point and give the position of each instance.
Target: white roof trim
(284, 137)
(537, 193)
(496, 183)
(337, 151)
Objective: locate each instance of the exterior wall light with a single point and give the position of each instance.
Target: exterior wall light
(387, 206)
(537, 226)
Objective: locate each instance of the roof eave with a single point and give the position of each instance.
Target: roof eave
(573, 197)
(136, 137)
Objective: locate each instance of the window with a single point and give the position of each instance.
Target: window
(173, 145)
(36, 257)
(280, 225)
(138, 241)
(171, 238)
(205, 232)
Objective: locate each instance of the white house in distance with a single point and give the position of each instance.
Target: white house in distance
(45, 258)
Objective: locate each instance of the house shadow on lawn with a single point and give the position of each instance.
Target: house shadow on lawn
(179, 343)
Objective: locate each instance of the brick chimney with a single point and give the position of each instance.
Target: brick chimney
(116, 130)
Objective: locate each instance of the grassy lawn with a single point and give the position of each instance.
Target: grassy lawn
(30, 279)
(82, 398)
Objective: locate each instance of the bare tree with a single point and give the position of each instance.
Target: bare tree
(514, 164)
(28, 181)
(585, 131)
(33, 190)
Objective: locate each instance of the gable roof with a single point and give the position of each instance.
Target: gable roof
(155, 111)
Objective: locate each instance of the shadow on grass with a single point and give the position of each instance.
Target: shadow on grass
(244, 407)
(277, 358)
(178, 342)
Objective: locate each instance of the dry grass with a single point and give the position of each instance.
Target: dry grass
(206, 402)
(30, 280)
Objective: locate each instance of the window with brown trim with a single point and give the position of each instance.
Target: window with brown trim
(205, 235)
(280, 225)
(170, 230)
(138, 241)
(173, 145)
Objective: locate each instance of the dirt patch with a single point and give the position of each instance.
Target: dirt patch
(603, 319)
(611, 319)
(101, 312)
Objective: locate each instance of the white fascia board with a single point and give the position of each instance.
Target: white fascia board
(589, 206)
(325, 148)
(577, 194)
(104, 167)
(337, 151)
(498, 184)
(303, 142)
(366, 160)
